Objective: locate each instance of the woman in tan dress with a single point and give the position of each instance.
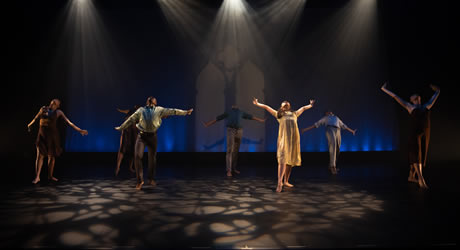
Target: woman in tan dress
(288, 145)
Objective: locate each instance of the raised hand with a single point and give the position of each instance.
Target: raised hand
(384, 86)
(434, 87)
(255, 101)
(312, 102)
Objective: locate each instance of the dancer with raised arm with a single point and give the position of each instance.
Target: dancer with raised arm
(333, 126)
(288, 144)
(234, 126)
(48, 141)
(148, 120)
(419, 132)
(127, 141)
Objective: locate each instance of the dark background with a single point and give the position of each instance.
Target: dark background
(415, 49)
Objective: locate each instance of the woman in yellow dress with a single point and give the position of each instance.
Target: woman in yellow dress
(288, 145)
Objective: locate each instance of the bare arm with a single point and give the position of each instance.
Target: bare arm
(259, 119)
(403, 103)
(433, 99)
(308, 128)
(124, 111)
(81, 131)
(209, 123)
(351, 130)
(35, 118)
(302, 109)
(266, 107)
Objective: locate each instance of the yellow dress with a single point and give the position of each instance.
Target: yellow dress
(288, 146)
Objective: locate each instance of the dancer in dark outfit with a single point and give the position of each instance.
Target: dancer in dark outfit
(48, 141)
(234, 134)
(127, 141)
(419, 133)
(148, 120)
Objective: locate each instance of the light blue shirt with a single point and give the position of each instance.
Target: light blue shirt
(148, 118)
(331, 120)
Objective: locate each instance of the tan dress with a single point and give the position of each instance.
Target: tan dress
(288, 147)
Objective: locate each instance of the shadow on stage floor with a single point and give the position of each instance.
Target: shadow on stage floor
(366, 205)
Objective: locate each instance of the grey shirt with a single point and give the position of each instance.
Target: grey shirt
(148, 118)
(331, 120)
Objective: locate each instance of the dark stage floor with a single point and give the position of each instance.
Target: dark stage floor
(365, 206)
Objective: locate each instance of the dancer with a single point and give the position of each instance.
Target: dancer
(48, 141)
(127, 141)
(419, 133)
(234, 134)
(288, 145)
(148, 120)
(333, 126)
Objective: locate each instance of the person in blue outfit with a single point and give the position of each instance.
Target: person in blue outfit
(333, 126)
(234, 126)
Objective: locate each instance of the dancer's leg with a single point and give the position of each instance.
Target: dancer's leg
(152, 149)
(287, 175)
(236, 149)
(138, 155)
(281, 172)
(119, 160)
(332, 147)
(228, 155)
(51, 162)
(38, 166)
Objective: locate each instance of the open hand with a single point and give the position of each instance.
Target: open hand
(255, 101)
(83, 132)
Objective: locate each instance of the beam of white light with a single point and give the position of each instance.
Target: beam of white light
(279, 20)
(187, 19)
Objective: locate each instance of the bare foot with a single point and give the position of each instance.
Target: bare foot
(422, 184)
(139, 185)
(412, 179)
(333, 170)
(287, 184)
(36, 180)
(279, 188)
(53, 178)
(236, 171)
(229, 173)
(153, 183)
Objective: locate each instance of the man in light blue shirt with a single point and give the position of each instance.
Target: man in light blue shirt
(333, 126)
(148, 120)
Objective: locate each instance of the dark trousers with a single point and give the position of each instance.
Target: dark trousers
(143, 140)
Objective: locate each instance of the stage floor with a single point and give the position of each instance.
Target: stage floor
(364, 206)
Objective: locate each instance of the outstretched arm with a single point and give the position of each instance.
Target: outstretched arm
(169, 111)
(302, 109)
(132, 119)
(124, 111)
(308, 128)
(266, 107)
(81, 131)
(433, 99)
(209, 123)
(258, 119)
(35, 118)
(353, 131)
(403, 103)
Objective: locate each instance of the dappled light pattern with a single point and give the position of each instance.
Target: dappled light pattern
(229, 213)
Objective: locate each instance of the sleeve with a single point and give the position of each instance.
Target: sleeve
(170, 111)
(247, 116)
(222, 116)
(132, 119)
(322, 121)
(342, 125)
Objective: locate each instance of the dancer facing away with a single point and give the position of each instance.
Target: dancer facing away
(288, 145)
(419, 132)
(333, 126)
(148, 120)
(48, 141)
(234, 134)
(127, 141)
